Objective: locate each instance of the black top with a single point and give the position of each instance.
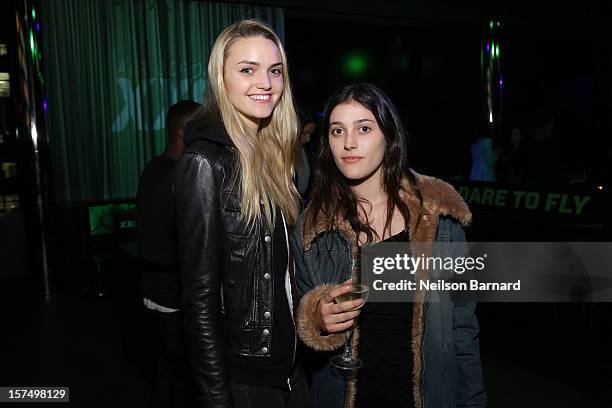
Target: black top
(385, 380)
(272, 371)
(160, 280)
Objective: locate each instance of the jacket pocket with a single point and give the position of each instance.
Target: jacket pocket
(325, 258)
(230, 214)
(230, 201)
(238, 246)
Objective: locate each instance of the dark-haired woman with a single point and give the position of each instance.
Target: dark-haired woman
(415, 354)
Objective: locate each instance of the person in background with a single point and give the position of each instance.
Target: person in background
(236, 201)
(511, 160)
(483, 156)
(160, 283)
(304, 164)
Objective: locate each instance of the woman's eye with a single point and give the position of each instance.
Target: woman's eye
(364, 129)
(247, 70)
(336, 131)
(276, 71)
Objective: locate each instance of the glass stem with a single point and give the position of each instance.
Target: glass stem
(347, 345)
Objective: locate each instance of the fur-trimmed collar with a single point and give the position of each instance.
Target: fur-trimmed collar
(439, 199)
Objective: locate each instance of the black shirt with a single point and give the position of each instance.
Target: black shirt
(385, 379)
(160, 280)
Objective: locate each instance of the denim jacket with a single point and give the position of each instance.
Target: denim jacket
(446, 359)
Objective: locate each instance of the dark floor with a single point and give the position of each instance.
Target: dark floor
(97, 348)
(94, 346)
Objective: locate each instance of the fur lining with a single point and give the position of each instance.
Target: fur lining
(352, 376)
(424, 233)
(441, 199)
(306, 327)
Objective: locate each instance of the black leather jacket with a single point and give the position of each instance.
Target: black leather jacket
(225, 310)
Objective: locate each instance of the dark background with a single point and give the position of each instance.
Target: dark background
(556, 61)
(556, 66)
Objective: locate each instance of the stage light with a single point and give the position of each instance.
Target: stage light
(34, 134)
(32, 46)
(355, 64)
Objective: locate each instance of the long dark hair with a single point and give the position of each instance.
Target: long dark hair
(332, 195)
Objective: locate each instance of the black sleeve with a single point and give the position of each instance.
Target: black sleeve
(199, 243)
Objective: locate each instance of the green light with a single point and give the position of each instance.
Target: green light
(492, 49)
(32, 46)
(497, 50)
(491, 24)
(33, 14)
(355, 64)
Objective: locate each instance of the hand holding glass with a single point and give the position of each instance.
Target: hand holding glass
(335, 317)
(345, 361)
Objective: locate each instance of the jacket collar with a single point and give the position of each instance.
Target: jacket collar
(439, 199)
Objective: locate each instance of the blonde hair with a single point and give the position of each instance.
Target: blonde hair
(265, 165)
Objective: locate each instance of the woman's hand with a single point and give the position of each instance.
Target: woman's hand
(334, 318)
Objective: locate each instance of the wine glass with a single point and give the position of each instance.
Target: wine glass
(345, 361)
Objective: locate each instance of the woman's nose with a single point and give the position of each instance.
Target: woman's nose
(263, 81)
(350, 141)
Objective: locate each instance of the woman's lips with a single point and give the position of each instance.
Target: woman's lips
(351, 159)
(263, 99)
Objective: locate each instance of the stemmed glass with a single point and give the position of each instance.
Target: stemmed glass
(345, 361)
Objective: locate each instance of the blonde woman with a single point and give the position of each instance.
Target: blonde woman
(235, 201)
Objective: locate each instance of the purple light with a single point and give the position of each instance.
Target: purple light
(45, 105)
(501, 82)
(37, 27)
(488, 47)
